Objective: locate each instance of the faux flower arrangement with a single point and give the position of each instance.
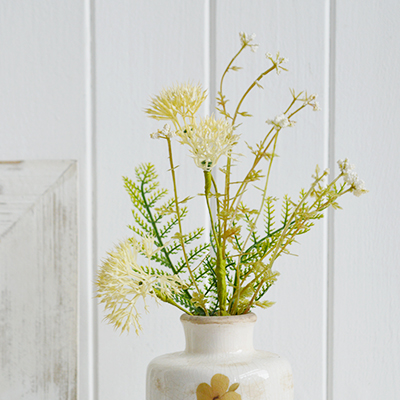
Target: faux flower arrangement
(230, 273)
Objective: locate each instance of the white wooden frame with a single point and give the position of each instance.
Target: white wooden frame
(38, 280)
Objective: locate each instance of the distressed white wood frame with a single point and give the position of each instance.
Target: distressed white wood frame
(38, 280)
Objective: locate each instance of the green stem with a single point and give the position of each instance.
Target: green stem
(260, 156)
(167, 299)
(155, 229)
(264, 195)
(223, 76)
(248, 91)
(217, 203)
(179, 217)
(161, 244)
(207, 191)
(220, 268)
(280, 246)
(220, 273)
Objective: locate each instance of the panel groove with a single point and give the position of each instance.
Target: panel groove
(212, 80)
(212, 84)
(330, 224)
(91, 356)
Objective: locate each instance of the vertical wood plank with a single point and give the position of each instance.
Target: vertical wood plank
(42, 101)
(45, 114)
(296, 325)
(366, 312)
(38, 281)
(141, 47)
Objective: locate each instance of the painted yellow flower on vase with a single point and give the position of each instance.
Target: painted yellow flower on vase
(219, 389)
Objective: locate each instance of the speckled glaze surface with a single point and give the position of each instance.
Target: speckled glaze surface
(219, 362)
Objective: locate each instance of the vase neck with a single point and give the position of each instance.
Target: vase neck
(233, 334)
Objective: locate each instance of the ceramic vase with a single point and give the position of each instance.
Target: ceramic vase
(219, 362)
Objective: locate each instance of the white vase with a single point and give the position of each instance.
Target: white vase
(219, 362)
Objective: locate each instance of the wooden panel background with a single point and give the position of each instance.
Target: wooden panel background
(46, 114)
(366, 301)
(76, 79)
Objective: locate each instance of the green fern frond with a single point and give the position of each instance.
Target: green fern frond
(192, 256)
(286, 210)
(146, 173)
(173, 222)
(156, 196)
(138, 231)
(145, 225)
(269, 217)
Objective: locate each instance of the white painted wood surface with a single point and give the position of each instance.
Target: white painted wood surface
(38, 280)
(46, 114)
(336, 316)
(366, 249)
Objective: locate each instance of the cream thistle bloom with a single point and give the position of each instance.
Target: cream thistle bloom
(351, 177)
(183, 99)
(122, 281)
(208, 141)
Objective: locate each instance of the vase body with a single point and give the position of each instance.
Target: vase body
(219, 362)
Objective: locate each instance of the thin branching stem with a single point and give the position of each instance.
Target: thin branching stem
(182, 242)
(223, 77)
(280, 247)
(264, 194)
(170, 301)
(227, 205)
(248, 91)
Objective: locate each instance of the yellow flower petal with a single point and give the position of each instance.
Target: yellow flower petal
(233, 387)
(204, 392)
(231, 396)
(219, 384)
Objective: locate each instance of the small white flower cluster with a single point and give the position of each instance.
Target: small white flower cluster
(246, 39)
(351, 177)
(316, 106)
(310, 100)
(277, 61)
(156, 135)
(345, 167)
(166, 132)
(280, 121)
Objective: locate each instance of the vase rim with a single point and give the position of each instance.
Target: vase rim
(226, 320)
